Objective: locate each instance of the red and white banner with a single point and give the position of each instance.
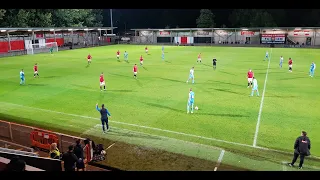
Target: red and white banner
(202, 34)
(247, 33)
(273, 38)
(303, 33)
(164, 33)
(39, 35)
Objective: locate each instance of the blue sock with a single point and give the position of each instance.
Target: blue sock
(192, 108)
(258, 93)
(252, 93)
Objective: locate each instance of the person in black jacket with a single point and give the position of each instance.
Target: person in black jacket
(78, 151)
(302, 148)
(69, 159)
(104, 116)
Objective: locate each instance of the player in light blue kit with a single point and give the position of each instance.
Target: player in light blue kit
(267, 56)
(254, 86)
(191, 75)
(22, 78)
(190, 101)
(162, 56)
(281, 61)
(312, 68)
(125, 56)
(163, 49)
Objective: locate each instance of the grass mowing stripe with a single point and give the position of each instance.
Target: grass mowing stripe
(146, 127)
(140, 126)
(261, 105)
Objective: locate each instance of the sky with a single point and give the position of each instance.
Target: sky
(186, 18)
(159, 18)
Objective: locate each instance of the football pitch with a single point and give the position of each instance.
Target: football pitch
(255, 133)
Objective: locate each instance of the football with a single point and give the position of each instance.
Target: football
(103, 152)
(196, 108)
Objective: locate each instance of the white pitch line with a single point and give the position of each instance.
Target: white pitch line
(158, 129)
(261, 105)
(219, 160)
(110, 146)
(284, 167)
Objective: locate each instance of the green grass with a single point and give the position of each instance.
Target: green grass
(158, 98)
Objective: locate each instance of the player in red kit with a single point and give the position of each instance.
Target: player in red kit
(141, 60)
(118, 54)
(290, 64)
(102, 83)
(35, 69)
(89, 57)
(250, 76)
(199, 58)
(135, 71)
(146, 49)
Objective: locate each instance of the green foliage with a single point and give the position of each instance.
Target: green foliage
(251, 18)
(206, 19)
(51, 17)
(2, 12)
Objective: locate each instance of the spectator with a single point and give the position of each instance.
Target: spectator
(302, 148)
(54, 151)
(78, 151)
(16, 164)
(69, 159)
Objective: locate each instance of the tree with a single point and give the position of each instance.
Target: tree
(2, 13)
(206, 19)
(251, 18)
(262, 18)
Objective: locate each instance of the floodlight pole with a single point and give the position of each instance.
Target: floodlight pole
(111, 21)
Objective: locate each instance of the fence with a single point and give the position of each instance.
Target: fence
(290, 37)
(20, 134)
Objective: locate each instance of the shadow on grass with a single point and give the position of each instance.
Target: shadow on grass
(232, 74)
(207, 65)
(144, 68)
(183, 111)
(37, 84)
(227, 91)
(50, 77)
(139, 83)
(167, 61)
(282, 97)
(294, 78)
(120, 90)
(222, 82)
(172, 80)
(120, 75)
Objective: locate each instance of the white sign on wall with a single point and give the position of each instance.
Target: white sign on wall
(184, 34)
(223, 33)
(146, 33)
(301, 33)
(203, 33)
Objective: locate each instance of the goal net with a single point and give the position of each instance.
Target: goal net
(42, 48)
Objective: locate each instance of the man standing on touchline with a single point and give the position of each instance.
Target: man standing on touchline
(302, 148)
(104, 116)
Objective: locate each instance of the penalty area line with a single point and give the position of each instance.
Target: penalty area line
(261, 105)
